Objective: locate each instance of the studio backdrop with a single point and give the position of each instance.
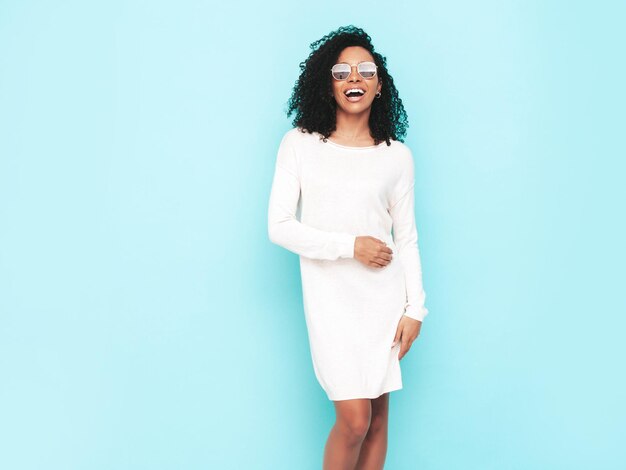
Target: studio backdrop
(146, 320)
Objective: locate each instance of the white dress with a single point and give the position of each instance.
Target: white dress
(351, 310)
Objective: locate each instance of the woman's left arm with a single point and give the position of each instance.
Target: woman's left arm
(405, 238)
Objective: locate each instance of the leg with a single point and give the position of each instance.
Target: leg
(374, 448)
(345, 439)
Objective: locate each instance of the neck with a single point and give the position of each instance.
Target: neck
(353, 125)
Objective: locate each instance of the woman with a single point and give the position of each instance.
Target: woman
(345, 168)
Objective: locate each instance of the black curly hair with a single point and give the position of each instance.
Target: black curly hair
(312, 99)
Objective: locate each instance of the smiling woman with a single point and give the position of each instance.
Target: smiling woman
(340, 61)
(356, 237)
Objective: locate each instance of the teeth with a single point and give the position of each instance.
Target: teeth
(358, 90)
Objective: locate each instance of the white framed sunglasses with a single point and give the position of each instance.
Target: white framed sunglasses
(342, 70)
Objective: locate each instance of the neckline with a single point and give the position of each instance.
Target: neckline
(350, 147)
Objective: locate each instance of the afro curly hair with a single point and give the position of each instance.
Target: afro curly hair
(312, 98)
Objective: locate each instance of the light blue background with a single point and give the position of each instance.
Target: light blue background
(148, 323)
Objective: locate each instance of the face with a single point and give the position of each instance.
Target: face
(353, 55)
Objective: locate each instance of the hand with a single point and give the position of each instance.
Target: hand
(372, 252)
(408, 330)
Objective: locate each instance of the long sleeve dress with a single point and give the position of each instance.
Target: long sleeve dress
(351, 310)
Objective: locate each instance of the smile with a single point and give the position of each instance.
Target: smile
(354, 94)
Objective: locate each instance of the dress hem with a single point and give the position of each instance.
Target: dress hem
(392, 388)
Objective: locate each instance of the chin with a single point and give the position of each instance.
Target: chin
(349, 107)
(356, 109)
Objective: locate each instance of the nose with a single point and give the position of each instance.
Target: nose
(354, 73)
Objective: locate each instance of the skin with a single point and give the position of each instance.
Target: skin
(358, 439)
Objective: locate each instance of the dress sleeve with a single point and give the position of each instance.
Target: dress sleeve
(285, 230)
(405, 239)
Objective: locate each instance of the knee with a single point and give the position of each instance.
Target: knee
(356, 427)
(378, 424)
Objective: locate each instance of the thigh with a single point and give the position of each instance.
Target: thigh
(380, 412)
(380, 405)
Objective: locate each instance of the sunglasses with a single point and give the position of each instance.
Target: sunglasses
(343, 70)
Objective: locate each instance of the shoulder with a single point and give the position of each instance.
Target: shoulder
(291, 148)
(401, 153)
(401, 148)
(297, 136)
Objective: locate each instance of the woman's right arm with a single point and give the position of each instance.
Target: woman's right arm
(285, 230)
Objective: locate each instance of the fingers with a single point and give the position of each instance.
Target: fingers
(405, 339)
(404, 348)
(376, 255)
(377, 263)
(383, 258)
(383, 246)
(397, 337)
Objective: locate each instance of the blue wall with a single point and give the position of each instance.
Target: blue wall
(146, 321)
